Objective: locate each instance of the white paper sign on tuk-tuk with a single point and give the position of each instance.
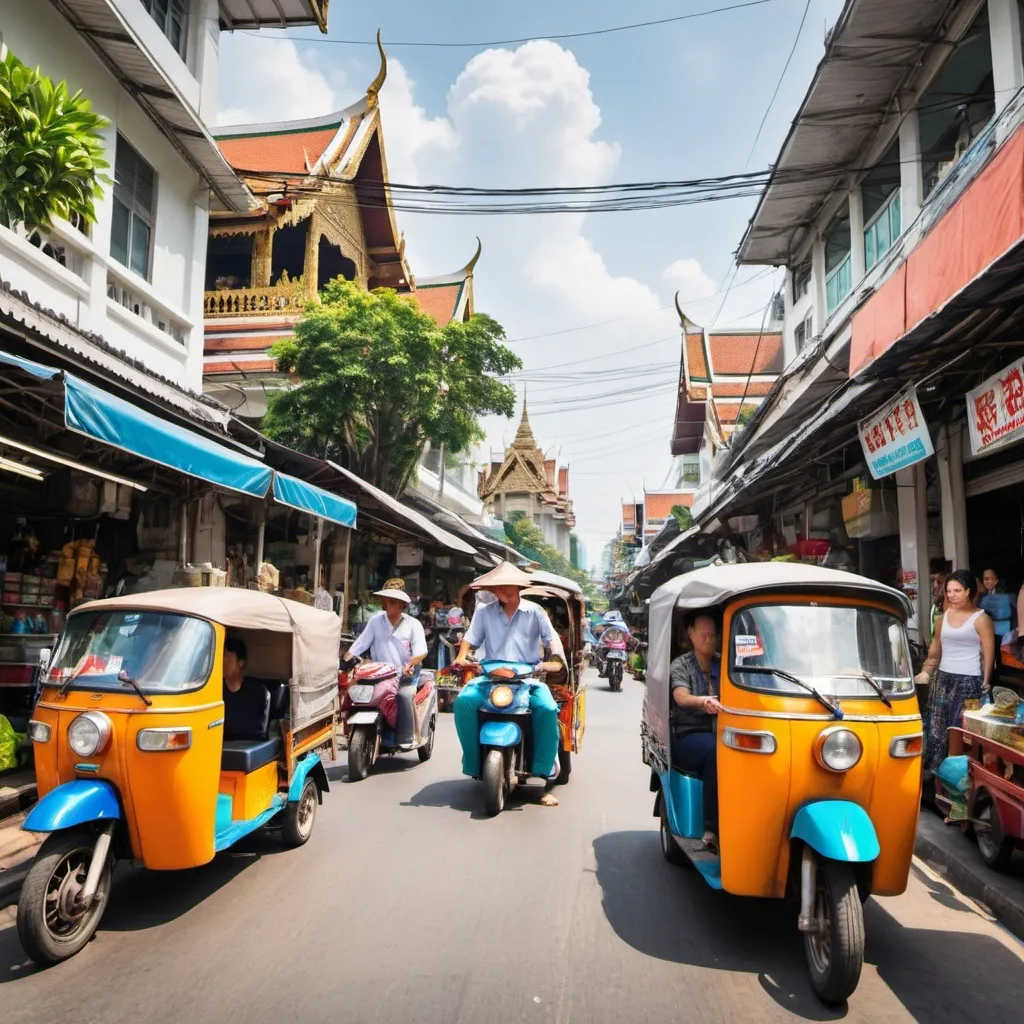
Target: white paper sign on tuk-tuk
(995, 410)
(896, 436)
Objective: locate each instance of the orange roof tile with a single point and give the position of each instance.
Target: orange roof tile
(659, 506)
(735, 353)
(278, 151)
(563, 481)
(250, 344)
(755, 389)
(438, 301)
(695, 357)
(240, 366)
(628, 513)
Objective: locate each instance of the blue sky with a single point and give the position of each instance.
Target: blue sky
(668, 102)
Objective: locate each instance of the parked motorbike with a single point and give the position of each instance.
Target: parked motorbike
(373, 714)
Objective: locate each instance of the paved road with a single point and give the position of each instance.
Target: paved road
(408, 906)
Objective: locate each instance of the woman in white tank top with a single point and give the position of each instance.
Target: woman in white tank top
(963, 649)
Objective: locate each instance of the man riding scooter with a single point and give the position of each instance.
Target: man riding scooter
(514, 630)
(396, 638)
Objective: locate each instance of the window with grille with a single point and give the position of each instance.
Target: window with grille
(801, 281)
(132, 226)
(804, 332)
(172, 17)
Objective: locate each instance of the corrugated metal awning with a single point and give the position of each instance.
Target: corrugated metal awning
(115, 42)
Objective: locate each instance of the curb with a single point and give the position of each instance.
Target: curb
(11, 882)
(1008, 912)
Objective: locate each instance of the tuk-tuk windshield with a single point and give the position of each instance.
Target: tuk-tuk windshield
(831, 647)
(160, 651)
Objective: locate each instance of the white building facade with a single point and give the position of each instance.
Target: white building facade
(130, 285)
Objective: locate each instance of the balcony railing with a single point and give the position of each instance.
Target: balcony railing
(279, 298)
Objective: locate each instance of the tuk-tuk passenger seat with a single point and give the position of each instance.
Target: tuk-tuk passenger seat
(248, 755)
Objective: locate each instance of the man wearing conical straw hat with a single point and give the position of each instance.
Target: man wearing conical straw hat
(510, 629)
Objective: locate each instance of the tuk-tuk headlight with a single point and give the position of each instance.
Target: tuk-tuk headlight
(501, 696)
(89, 733)
(838, 749)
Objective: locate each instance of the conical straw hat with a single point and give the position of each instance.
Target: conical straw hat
(504, 575)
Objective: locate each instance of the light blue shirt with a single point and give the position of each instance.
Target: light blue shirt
(395, 646)
(517, 639)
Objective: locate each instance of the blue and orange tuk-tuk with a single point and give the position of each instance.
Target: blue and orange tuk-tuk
(818, 747)
(130, 750)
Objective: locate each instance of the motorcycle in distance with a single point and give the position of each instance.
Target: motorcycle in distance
(612, 651)
(373, 713)
(506, 740)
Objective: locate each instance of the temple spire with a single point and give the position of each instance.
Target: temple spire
(524, 435)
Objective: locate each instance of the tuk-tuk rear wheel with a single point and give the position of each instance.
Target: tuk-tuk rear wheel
(300, 815)
(835, 947)
(51, 926)
(564, 767)
(669, 847)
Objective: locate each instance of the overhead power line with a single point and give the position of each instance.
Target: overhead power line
(514, 42)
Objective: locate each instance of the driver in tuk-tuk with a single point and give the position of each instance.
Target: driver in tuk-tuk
(695, 678)
(510, 629)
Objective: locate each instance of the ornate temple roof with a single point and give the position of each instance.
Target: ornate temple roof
(450, 296)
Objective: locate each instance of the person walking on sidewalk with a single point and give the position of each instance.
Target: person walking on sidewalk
(963, 649)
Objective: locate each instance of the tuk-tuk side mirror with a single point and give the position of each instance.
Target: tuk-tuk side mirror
(44, 658)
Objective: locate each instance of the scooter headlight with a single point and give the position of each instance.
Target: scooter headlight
(89, 733)
(501, 696)
(838, 749)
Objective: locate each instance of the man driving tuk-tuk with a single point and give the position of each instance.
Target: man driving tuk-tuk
(171, 725)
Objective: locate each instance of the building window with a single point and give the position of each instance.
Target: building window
(804, 332)
(132, 225)
(172, 17)
(880, 192)
(691, 470)
(838, 277)
(801, 281)
(958, 106)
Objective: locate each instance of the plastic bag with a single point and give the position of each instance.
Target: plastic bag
(952, 774)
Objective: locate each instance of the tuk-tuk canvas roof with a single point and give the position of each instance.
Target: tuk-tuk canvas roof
(550, 579)
(316, 634)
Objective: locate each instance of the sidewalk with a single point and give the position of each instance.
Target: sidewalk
(17, 848)
(955, 857)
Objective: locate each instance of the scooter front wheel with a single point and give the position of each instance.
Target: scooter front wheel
(52, 924)
(360, 753)
(835, 945)
(494, 781)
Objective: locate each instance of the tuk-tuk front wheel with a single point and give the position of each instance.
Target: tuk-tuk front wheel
(300, 815)
(53, 924)
(494, 779)
(835, 945)
(360, 753)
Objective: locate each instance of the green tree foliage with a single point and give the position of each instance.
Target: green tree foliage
(377, 379)
(526, 537)
(51, 152)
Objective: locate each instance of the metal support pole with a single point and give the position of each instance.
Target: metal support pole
(440, 475)
(183, 540)
(316, 553)
(344, 593)
(261, 537)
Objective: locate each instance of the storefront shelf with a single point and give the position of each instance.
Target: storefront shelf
(38, 607)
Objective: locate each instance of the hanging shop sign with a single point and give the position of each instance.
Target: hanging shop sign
(896, 436)
(995, 409)
(409, 554)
